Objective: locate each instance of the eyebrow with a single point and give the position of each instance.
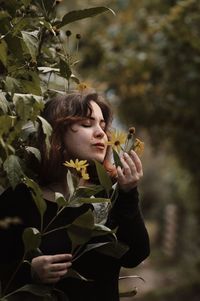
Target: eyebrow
(92, 118)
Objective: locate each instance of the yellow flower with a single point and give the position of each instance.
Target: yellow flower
(138, 147)
(82, 86)
(117, 138)
(78, 165)
(84, 174)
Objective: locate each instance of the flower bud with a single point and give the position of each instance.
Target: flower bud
(132, 130)
(68, 33)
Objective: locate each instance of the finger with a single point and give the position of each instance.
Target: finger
(61, 257)
(120, 174)
(60, 266)
(126, 169)
(137, 161)
(129, 160)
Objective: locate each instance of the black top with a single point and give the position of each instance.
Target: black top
(102, 269)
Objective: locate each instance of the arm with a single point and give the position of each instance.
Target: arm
(126, 214)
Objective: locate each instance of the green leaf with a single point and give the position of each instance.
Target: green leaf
(12, 166)
(115, 249)
(31, 239)
(74, 274)
(88, 248)
(28, 129)
(103, 176)
(70, 183)
(12, 85)
(116, 158)
(65, 70)
(28, 106)
(26, 2)
(47, 130)
(92, 200)
(3, 52)
(35, 151)
(31, 41)
(82, 14)
(60, 200)
(75, 79)
(38, 290)
(31, 84)
(6, 122)
(81, 229)
(36, 194)
(88, 191)
(48, 69)
(4, 105)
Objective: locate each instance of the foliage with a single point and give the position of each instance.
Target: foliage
(32, 50)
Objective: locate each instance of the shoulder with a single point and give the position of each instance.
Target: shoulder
(13, 199)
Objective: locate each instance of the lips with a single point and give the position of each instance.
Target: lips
(99, 145)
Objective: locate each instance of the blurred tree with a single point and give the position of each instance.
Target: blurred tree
(148, 60)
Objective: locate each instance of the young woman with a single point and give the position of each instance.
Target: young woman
(80, 124)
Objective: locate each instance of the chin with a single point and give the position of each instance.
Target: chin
(100, 159)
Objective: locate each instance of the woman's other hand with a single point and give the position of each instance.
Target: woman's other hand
(50, 268)
(131, 171)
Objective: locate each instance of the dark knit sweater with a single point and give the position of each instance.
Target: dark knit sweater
(102, 269)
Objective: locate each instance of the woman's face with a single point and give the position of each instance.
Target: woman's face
(86, 140)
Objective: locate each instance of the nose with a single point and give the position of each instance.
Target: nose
(99, 132)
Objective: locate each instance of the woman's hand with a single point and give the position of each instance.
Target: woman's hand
(50, 268)
(131, 171)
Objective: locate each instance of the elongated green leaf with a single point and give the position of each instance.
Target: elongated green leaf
(70, 183)
(65, 69)
(28, 129)
(3, 52)
(47, 129)
(48, 69)
(90, 247)
(60, 200)
(3, 103)
(31, 239)
(81, 229)
(37, 195)
(31, 42)
(6, 122)
(38, 290)
(31, 84)
(116, 158)
(74, 274)
(115, 249)
(28, 106)
(104, 178)
(88, 191)
(35, 151)
(12, 166)
(12, 85)
(82, 14)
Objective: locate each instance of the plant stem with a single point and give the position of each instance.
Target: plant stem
(13, 275)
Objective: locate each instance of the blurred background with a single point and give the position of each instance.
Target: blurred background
(146, 59)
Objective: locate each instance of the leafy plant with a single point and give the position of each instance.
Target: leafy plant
(32, 50)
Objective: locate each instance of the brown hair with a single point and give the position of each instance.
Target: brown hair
(61, 112)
